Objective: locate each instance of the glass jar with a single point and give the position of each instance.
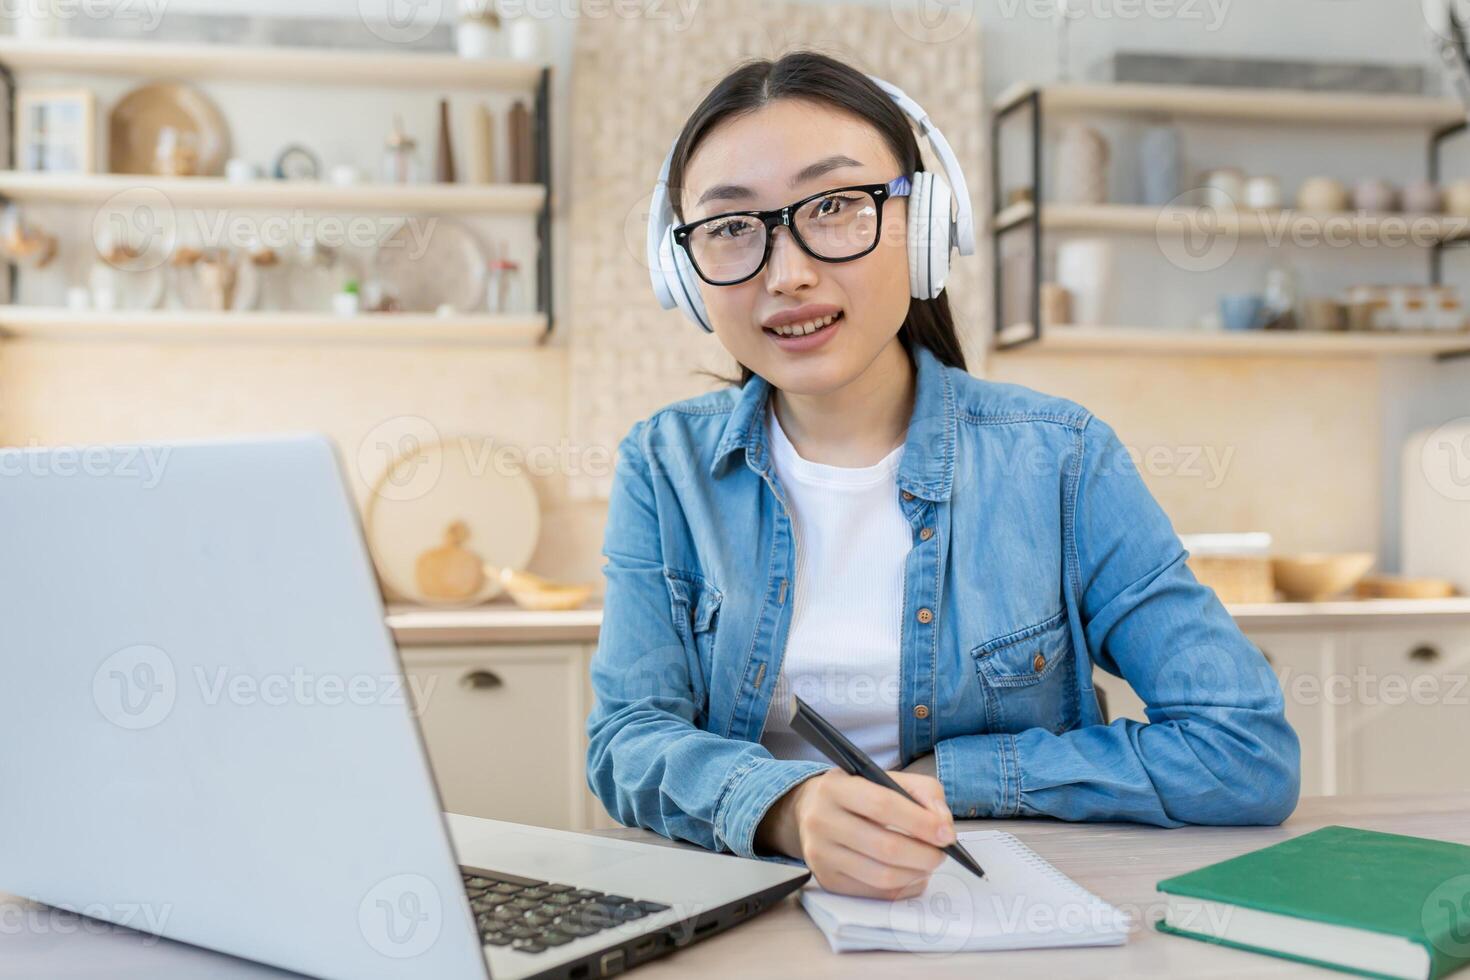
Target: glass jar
(400, 157)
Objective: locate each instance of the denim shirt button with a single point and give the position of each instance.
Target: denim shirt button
(926, 533)
(907, 496)
(925, 615)
(921, 711)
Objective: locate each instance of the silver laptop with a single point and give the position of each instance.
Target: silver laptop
(208, 737)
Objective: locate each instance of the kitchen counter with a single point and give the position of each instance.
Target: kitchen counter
(1350, 613)
(493, 622)
(502, 622)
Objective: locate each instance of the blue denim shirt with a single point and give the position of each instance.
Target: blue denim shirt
(1038, 555)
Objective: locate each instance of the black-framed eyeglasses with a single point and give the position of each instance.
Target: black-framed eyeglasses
(836, 225)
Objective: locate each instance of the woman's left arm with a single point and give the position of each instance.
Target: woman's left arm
(1217, 749)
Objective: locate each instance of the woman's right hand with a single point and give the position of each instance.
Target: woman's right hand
(860, 838)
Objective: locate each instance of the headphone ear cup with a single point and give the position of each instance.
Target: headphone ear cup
(682, 281)
(918, 232)
(929, 234)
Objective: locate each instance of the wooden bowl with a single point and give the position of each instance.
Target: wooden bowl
(551, 600)
(1398, 587)
(534, 592)
(1314, 577)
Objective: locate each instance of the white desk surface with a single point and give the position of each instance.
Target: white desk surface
(1119, 862)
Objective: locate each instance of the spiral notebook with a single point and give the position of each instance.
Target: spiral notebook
(1022, 903)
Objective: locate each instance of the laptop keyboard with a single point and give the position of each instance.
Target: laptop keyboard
(533, 916)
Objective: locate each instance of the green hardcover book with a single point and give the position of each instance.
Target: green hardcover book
(1381, 905)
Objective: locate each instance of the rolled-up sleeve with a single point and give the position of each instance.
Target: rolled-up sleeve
(1217, 748)
(648, 761)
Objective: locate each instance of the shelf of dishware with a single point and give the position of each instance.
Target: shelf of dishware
(98, 189)
(1280, 224)
(470, 329)
(1262, 105)
(1156, 340)
(268, 64)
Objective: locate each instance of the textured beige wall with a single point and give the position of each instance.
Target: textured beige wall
(1285, 445)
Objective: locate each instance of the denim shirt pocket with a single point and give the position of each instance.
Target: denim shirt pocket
(696, 605)
(1028, 679)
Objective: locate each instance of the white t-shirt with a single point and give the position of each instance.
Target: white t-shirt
(842, 652)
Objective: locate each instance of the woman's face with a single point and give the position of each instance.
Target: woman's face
(771, 157)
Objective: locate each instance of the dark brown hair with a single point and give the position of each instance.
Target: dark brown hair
(816, 77)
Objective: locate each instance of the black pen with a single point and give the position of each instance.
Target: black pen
(826, 739)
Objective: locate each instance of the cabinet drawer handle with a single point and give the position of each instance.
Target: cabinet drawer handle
(481, 680)
(1424, 654)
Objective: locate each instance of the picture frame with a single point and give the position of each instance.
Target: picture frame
(56, 131)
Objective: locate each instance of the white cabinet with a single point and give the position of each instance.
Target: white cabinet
(1305, 663)
(1381, 707)
(1121, 701)
(506, 729)
(1406, 722)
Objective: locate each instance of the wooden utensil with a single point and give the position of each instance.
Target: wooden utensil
(444, 158)
(450, 571)
(522, 147)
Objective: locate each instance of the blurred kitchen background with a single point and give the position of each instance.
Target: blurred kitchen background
(1230, 228)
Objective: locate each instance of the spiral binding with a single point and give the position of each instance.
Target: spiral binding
(1045, 867)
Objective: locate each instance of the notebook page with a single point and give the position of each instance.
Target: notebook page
(1023, 903)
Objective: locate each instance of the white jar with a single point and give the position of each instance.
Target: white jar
(345, 303)
(1085, 269)
(524, 38)
(1082, 166)
(476, 39)
(36, 20)
(1225, 188)
(1263, 193)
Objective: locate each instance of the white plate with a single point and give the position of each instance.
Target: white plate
(424, 266)
(426, 489)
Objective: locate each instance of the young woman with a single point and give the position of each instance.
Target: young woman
(934, 562)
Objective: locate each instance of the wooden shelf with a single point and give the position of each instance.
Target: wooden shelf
(1014, 215)
(1262, 105)
(98, 189)
(1287, 226)
(1259, 343)
(478, 329)
(274, 64)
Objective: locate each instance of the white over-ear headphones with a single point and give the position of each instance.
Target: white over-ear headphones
(932, 232)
